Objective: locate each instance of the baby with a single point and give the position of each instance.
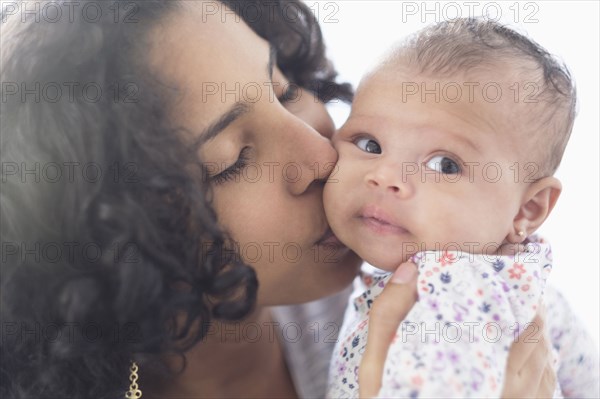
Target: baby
(448, 155)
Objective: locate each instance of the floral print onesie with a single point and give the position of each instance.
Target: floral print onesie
(455, 340)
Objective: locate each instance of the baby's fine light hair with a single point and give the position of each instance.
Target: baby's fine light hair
(469, 44)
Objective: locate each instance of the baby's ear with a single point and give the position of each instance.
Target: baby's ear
(538, 201)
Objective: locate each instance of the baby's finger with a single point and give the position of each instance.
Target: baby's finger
(386, 314)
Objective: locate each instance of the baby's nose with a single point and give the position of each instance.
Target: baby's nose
(389, 178)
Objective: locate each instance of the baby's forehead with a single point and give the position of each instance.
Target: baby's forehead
(500, 85)
(480, 61)
(402, 65)
(489, 97)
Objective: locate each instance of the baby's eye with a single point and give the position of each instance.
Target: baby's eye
(443, 164)
(368, 145)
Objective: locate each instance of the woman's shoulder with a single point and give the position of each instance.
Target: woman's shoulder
(578, 366)
(558, 308)
(562, 322)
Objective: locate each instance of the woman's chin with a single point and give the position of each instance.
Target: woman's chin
(309, 281)
(344, 272)
(336, 275)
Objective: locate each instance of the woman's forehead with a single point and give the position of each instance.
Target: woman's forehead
(209, 58)
(191, 41)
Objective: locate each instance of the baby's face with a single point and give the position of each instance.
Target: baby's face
(425, 173)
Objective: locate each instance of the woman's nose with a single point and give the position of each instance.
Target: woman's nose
(313, 112)
(389, 178)
(312, 157)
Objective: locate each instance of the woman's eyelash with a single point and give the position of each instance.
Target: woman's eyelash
(290, 93)
(234, 170)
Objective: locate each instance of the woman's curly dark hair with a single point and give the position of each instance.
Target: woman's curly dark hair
(292, 28)
(110, 249)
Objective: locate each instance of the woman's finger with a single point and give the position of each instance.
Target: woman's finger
(388, 310)
(548, 382)
(529, 372)
(533, 369)
(526, 344)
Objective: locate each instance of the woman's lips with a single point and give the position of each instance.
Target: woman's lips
(379, 221)
(329, 238)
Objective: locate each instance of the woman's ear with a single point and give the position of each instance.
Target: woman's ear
(538, 201)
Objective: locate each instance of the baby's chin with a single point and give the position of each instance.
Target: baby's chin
(388, 263)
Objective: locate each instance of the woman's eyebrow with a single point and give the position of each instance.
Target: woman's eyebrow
(238, 109)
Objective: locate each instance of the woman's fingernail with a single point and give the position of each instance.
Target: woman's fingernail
(404, 274)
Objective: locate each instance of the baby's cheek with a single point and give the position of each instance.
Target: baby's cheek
(445, 218)
(338, 198)
(332, 196)
(476, 227)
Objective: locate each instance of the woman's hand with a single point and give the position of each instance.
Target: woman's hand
(387, 312)
(529, 371)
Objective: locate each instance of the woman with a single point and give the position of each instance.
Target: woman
(111, 250)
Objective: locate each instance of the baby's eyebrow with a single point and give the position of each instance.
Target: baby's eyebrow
(465, 141)
(441, 133)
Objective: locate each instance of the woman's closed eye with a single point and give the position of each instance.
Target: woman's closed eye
(443, 164)
(368, 145)
(234, 170)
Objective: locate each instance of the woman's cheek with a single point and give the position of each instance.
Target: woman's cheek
(257, 217)
(239, 211)
(234, 207)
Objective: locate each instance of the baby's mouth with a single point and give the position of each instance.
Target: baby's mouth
(380, 222)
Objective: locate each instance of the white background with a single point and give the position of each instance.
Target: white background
(358, 31)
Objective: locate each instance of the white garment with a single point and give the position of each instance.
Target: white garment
(309, 363)
(309, 332)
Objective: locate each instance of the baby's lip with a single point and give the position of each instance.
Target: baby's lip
(376, 214)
